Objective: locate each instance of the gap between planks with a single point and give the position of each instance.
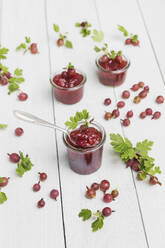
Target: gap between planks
(54, 120)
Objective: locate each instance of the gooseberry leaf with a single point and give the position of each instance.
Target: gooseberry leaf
(3, 197)
(85, 214)
(97, 36)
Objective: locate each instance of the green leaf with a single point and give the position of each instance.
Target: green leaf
(97, 49)
(142, 175)
(68, 44)
(144, 147)
(27, 39)
(0, 179)
(85, 32)
(18, 72)
(24, 164)
(134, 38)
(85, 214)
(128, 154)
(77, 24)
(21, 46)
(3, 197)
(98, 223)
(56, 28)
(13, 87)
(3, 126)
(119, 144)
(97, 36)
(70, 66)
(20, 80)
(74, 120)
(3, 52)
(123, 30)
(4, 69)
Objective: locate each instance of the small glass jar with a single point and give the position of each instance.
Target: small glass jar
(112, 78)
(69, 95)
(86, 161)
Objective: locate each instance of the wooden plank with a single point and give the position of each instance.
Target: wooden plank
(125, 228)
(22, 223)
(143, 68)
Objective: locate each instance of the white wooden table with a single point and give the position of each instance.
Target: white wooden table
(139, 221)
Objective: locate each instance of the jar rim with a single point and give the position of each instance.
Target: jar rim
(101, 129)
(113, 72)
(69, 89)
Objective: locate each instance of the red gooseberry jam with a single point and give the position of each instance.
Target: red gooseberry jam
(69, 86)
(85, 147)
(112, 72)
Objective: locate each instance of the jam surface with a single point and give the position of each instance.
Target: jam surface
(85, 137)
(112, 64)
(68, 79)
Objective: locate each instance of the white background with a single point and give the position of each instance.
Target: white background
(139, 220)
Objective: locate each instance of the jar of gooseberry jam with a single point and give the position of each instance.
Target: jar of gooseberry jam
(112, 72)
(86, 160)
(68, 89)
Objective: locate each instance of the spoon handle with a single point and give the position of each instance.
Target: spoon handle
(35, 120)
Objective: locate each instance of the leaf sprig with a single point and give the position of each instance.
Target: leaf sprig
(85, 31)
(3, 197)
(24, 46)
(139, 152)
(133, 37)
(97, 36)
(87, 214)
(24, 164)
(3, 52)
(79, 116)
(15, 80)
(3, 126)
(67, 43)
(110, 53)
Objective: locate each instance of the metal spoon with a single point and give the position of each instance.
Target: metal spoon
(35, 120)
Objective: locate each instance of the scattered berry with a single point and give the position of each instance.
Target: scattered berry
(135, 43)
(90, 193)
(136, 99)
(14, 157)
(108, 116)
(128, 41)
(135, 165)
(95, 186)
(4, 181)
(107, 101)
(115, 193)
(129, 114)
(120, 104)
(54, 194)
(129, 163)
(160, 99)
(148, 111)
(106, 211)
(33, 48)
(104, 185)
(36, 187)
(141, 84)
(156, 115)
(43, 176)
(142, 115)
(126, 122)
(154, 180)
(143, 94)
(41, 203)
(3, 81)
(60, 42)
(22, 96)
(146, 88)
(19, 131)
(135, 87)
(125, 94)
(107, 198)
(115, 113)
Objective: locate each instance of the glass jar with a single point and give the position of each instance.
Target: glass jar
(69, 95)
(85, 161)
(112, 78)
